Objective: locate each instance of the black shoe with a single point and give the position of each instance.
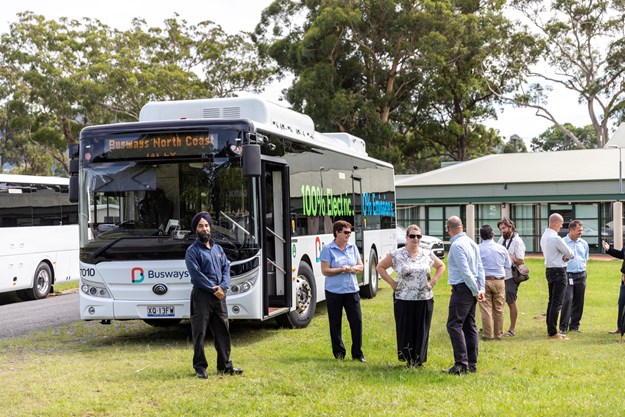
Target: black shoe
(201, 374)
(361, 359)
(232, 371)
(473, 367)
(455, 370)
(340, 357)
(412, 364)
(617, 331)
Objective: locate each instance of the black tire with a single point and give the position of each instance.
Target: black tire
(162, 322)
(305, 300)
(42, 284)
(371, 289)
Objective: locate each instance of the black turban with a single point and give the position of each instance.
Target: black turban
(201, 215)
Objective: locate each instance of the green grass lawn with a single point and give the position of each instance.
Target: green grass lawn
(131, 369)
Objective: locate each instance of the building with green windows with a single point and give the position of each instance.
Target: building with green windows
(527, 187)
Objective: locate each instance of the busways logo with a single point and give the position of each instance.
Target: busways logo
(138, 274)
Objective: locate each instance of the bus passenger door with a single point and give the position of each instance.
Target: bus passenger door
(276, 237)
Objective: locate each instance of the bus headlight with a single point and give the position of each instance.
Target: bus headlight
(244, 286)
(94, 289)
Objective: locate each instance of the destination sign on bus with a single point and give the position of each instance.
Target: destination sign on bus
(160, 145)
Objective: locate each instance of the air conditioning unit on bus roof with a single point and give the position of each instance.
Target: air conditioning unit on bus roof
(266, 115)
(353, 142)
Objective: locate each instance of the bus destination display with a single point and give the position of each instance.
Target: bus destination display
(160, 145)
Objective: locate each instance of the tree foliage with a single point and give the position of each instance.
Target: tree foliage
(555, 139)
(58, 76)
(584, 49)
(409, 77)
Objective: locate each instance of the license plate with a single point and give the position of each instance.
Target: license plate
(162, 311)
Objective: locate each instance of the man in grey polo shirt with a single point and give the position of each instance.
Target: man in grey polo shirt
(557, 254)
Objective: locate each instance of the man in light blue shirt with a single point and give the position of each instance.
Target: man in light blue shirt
(466, 277)
(573, 306)
(495, 260)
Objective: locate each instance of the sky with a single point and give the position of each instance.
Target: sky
(243, 15)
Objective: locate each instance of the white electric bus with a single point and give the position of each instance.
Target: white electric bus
(38, 235)
(272, 184)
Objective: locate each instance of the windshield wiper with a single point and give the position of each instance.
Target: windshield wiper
(106, 247)
(235, 223)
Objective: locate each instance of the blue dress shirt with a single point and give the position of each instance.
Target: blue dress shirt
(495, 259)
(465, 265)
(343, 283)
(581, 251)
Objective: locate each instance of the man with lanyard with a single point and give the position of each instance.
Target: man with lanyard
(557, 254)
(573, 306)
(516, 249)
(466, 277)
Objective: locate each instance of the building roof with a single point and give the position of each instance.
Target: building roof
(537, 167)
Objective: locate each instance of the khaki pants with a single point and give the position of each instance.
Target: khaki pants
(492, 309)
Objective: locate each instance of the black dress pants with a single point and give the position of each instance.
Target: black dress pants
(621, 306)
(573, 306)
(351, 303)
(556, 279)
(461, 325)
(207, 311)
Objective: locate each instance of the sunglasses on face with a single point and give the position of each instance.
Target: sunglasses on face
(347, 232)
(411, 236)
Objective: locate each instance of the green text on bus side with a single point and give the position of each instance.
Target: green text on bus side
(315, 203)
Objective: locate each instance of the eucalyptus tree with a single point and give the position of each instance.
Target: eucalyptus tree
(584, 51)
(59, 76)
(408, 76)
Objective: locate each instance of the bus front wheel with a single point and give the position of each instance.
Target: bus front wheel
(42, 283)
(305, 300)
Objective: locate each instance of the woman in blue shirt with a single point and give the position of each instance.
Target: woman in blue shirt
(340, 261)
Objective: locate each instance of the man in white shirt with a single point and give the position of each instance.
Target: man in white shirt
(511, 240)
(557, 254)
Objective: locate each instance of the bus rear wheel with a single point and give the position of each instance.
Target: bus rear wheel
(42, 284)
(305, 300)
(371, 289)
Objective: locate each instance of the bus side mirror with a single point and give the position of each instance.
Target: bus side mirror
(73, 189)
(251, 160)
(74, 167)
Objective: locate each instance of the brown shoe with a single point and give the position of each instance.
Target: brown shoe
(617, 331)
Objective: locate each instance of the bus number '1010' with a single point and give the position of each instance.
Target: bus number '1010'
(87, 272)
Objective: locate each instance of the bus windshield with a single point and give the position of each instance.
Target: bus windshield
(143, 210)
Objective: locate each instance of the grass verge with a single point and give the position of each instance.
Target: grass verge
(131, 369)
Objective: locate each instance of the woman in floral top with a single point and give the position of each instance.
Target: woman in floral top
(413, 298)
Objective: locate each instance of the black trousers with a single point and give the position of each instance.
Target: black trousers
(556, 279)
(207, 311)
(573, 305)
(621, 306)
(461, 325)
(351, 303)
(412, 326)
